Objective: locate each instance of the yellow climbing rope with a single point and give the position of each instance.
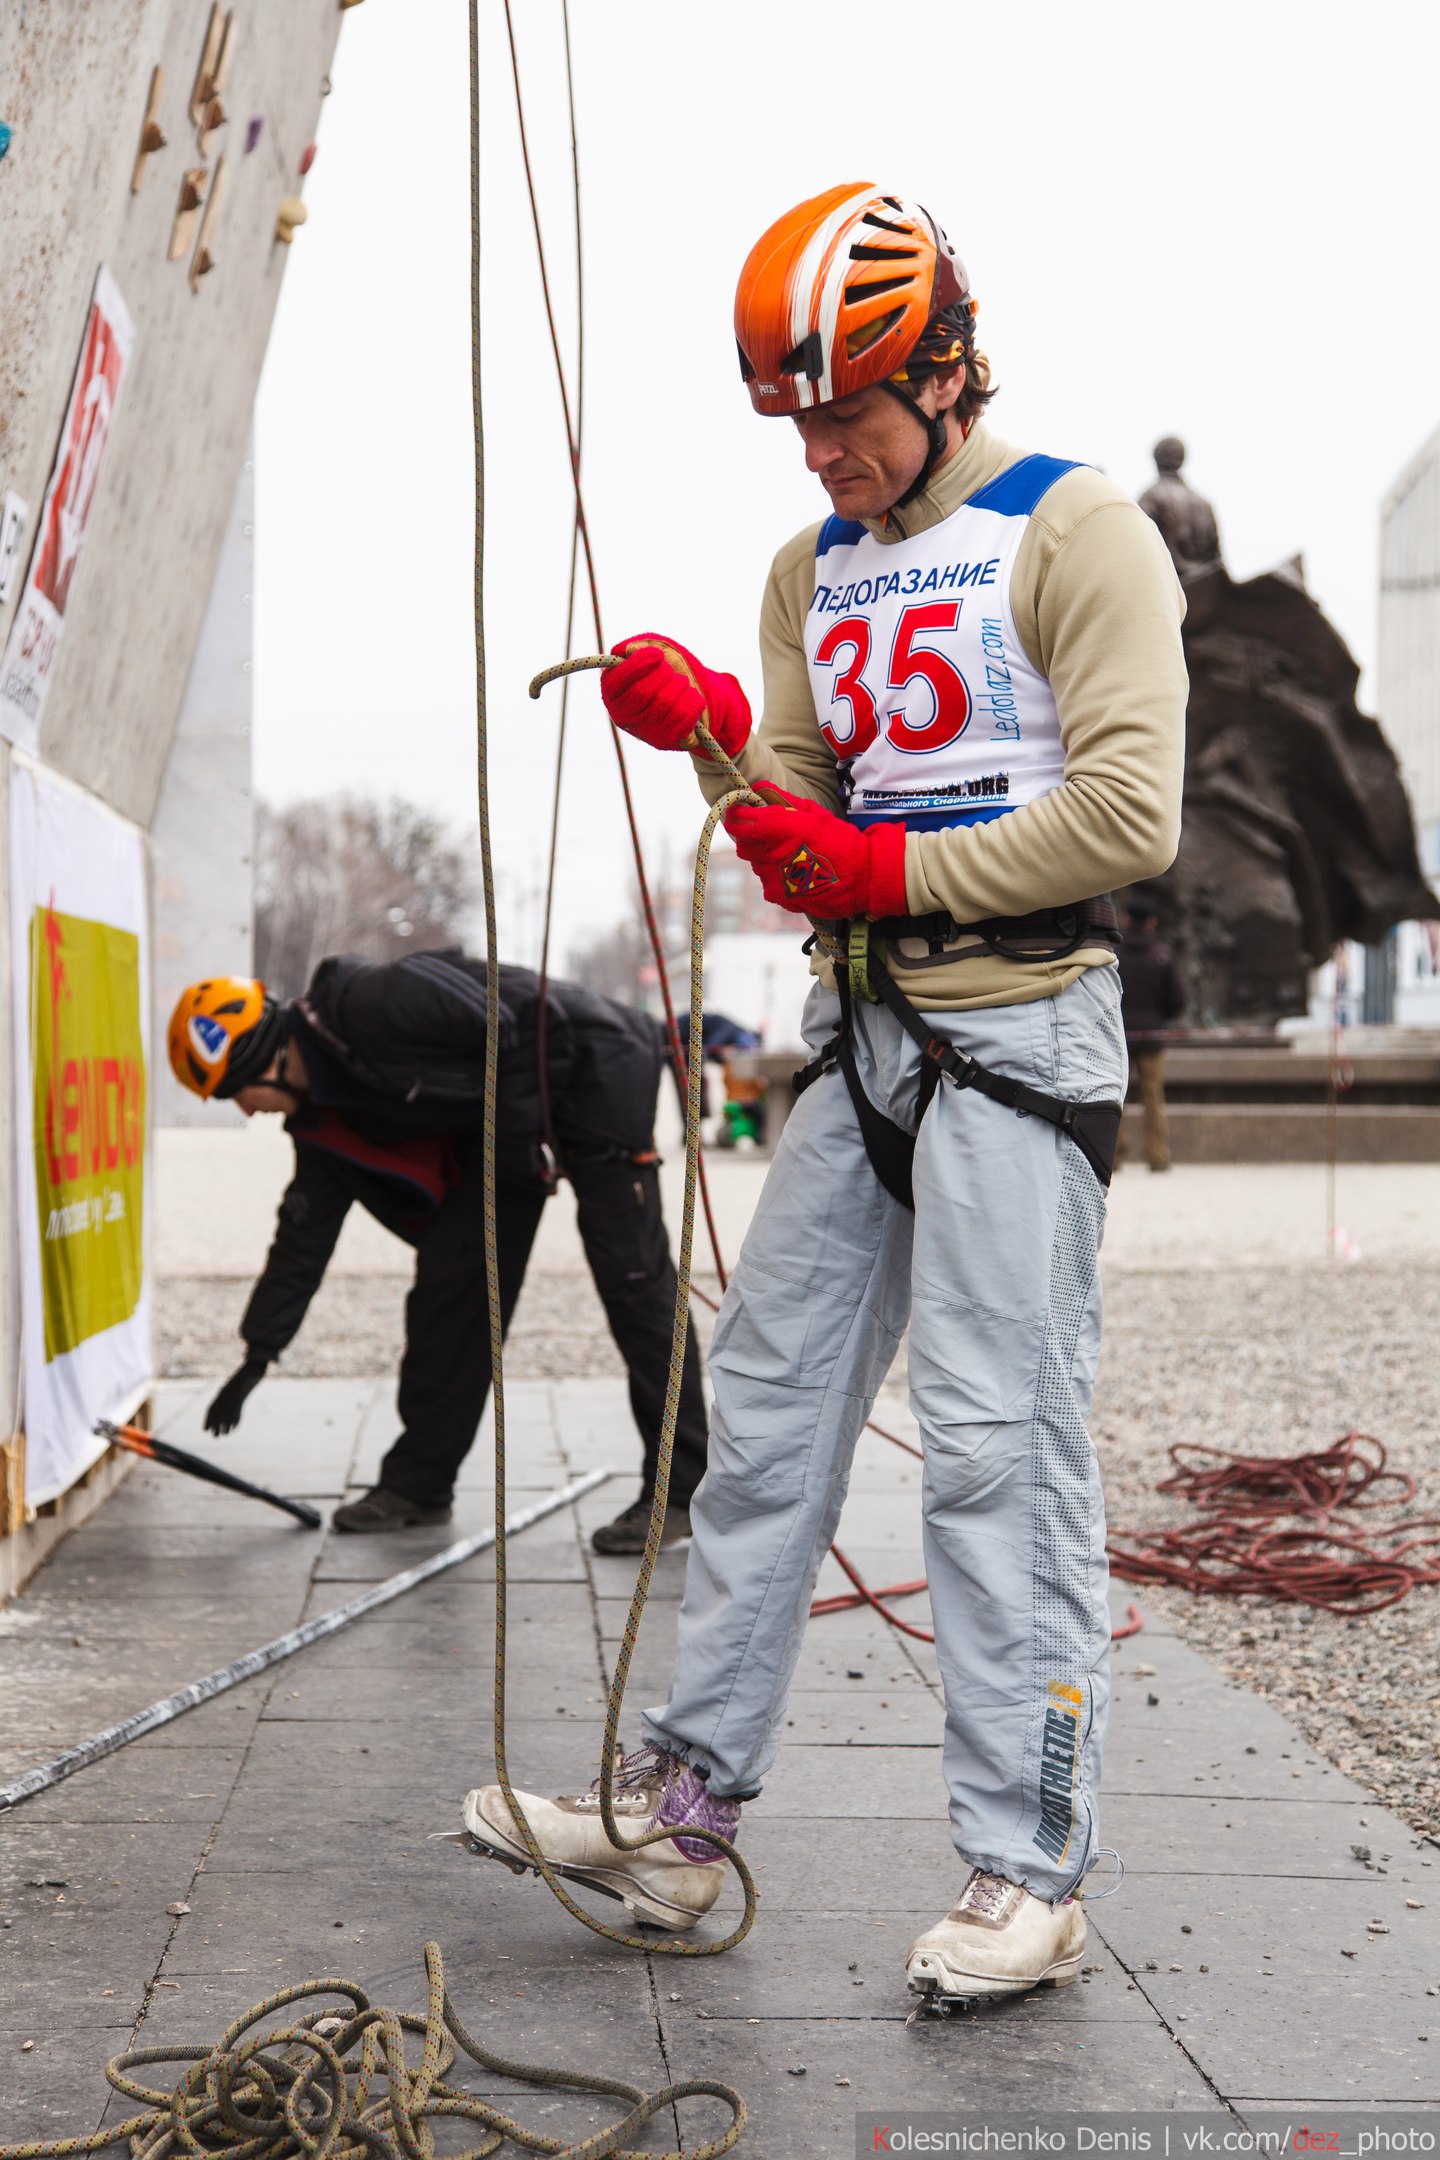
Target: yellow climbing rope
(647, 1943)
(684, 1946)
(335, 2084)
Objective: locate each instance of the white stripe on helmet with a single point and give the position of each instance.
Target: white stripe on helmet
(807, 273)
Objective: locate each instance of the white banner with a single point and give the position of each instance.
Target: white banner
(34, 639)
(80, 967)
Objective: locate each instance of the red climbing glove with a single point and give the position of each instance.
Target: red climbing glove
(651, 695)
(814, 863)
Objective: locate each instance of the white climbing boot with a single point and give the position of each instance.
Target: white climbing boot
(998, 1940)
(659, 1884)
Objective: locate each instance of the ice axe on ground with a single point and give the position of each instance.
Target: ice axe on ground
(174, 1458)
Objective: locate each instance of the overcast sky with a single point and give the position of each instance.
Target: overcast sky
(1219, 222)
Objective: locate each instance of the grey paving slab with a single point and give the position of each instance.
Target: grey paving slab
(892, 2068)
(54, 2087)
(613, 1578)
(1282, 2009)
(390, 1641)
(804, 1965)
(144, 1784)
(905, 1716)
(83, 1918)
(875, 1784)
(1312, 1839)
(1200, 1734)
(293, 1410)
(311, 1843)
(547, 1553)
(370, 1918)
(831, 1865)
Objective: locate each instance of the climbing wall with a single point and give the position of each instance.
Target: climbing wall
(166, 141)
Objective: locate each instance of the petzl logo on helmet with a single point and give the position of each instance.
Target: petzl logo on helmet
(808, 873)
(208, 1039)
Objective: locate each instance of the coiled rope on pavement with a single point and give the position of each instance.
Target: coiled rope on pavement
(335, 2084)
(1229, 1553)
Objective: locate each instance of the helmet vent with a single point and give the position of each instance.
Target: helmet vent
(883, 254)
(874, 292)
(869, 334)
(883, 224)
(747, 372)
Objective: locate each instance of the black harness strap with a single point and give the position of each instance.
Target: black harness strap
(890, 1148)
(1094, 1127)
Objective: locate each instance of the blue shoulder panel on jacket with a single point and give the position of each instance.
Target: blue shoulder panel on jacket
(1017, 491)
(837, 532)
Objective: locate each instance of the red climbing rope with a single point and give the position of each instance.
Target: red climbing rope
(1251, 1486)
(582, 529)
(1230, 1554)
(863, 1595)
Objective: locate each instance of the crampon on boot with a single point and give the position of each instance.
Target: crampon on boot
(998, 1939)
(671, 1884)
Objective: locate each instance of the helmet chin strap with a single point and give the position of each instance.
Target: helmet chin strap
(937, 440)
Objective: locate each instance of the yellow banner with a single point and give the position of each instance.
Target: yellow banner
(88, 1064)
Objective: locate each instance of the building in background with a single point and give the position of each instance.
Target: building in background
(755, 970)
(148, 195)
(1402, 978)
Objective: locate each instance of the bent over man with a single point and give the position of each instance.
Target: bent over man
(379, 1074)
(974, 704)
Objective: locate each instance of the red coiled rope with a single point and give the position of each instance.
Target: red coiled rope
(1316, 1564)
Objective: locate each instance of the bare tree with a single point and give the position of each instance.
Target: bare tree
(616, 964)
(350, 873)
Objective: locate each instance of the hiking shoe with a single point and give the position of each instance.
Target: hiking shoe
(999, 1939)
(670, 1885)
(383, 1509)
(628, 1531)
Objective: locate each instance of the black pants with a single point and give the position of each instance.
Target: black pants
(445, 1372)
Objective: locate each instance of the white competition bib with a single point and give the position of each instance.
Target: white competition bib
(921, 685)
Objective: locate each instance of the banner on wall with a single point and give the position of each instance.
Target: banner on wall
(34, 640)
(81, 992)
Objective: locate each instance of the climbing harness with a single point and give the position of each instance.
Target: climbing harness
(335, 2081)
(1093, 1126)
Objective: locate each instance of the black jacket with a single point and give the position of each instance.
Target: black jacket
(394, 1109)
(1152, 987)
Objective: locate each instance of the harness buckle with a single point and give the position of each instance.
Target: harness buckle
(959, 1068)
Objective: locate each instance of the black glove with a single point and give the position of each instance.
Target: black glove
(223, 1414)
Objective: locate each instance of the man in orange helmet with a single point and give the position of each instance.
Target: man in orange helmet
(973, 730)
(378, 1071)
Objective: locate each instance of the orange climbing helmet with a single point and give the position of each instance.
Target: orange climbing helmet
(840, 293)
(223, 1034)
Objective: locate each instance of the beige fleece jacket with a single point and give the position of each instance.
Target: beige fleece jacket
(1098, 608)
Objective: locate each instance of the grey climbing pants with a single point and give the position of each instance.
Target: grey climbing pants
(997, 1275)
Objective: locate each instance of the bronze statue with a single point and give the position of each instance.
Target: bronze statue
(1186, 520)
(1297, 830)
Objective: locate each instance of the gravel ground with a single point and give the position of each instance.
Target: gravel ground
(1280, 1362)
(1274, 1361)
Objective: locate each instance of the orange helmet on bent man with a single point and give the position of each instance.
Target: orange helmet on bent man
(224, 1034)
